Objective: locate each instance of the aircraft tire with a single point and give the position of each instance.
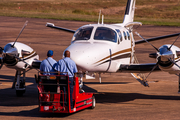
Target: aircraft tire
(20, 93)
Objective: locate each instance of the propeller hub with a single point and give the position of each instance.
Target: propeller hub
(165, 56)
(9, 55)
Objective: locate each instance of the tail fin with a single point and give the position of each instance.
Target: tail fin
(129, 13)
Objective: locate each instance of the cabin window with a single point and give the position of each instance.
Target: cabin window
(83, 33)
(128, 35)
(125, 36)
(103, 33)
(120, 35)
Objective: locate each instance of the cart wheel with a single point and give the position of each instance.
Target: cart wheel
(20, 93)
(93, 102)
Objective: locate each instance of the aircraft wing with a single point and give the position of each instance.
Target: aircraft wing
(137, 68)
(156, 38)
(36, 64)
(51, 25)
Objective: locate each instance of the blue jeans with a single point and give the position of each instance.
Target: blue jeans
(71, 86)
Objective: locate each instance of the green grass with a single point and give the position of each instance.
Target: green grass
(154, 12)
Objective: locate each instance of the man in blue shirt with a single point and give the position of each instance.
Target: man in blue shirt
(48, 64)
(69, 66)
(47, 68)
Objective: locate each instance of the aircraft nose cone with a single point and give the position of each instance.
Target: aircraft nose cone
(85, 55)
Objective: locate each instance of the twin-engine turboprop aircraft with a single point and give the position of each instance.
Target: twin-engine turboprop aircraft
(97, 48)
(100, 48)
(22, 58)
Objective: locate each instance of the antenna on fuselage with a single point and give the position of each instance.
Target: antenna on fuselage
(102, 19)
(99, 16)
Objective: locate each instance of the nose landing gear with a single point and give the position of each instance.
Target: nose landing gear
(20, 84)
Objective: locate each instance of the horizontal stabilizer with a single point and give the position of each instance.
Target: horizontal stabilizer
(59, 28)
(132, 24)
(156, 38)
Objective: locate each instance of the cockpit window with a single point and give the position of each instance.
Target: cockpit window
(83, 33)
(103, 33)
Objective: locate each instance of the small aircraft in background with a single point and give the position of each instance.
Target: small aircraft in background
(22, 58)
(101, 48)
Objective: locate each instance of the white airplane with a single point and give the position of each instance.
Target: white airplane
(101, 48)
(96, 48)
(22, 58)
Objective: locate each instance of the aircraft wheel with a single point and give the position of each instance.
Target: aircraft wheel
(93, 102)
(20, 93)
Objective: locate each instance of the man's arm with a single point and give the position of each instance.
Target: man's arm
(75, 74)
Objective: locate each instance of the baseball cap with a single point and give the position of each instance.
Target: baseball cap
(50, 53)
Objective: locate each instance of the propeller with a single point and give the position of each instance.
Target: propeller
(174, 42)
(25, 24)
(151, 71)
(146, 41)
(163, 53)
(9, 51)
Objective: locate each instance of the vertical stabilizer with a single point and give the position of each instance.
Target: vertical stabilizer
(129, 13)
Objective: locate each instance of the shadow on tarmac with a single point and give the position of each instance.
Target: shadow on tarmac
(106, 82)
(100, 98)
(8, 98)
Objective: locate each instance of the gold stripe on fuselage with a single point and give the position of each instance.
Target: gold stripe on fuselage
(119, 52)
(32, 54)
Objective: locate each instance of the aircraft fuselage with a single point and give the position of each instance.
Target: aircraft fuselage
(103, 49)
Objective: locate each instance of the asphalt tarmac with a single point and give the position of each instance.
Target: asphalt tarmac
(119, 96)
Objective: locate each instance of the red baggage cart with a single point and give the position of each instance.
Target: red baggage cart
(54, 95)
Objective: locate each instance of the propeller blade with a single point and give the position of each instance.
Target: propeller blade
(26, 63)
(22, 60)
(174, 42)
(151, 71)
(20, 32)
(146, 41)
(174, 62)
